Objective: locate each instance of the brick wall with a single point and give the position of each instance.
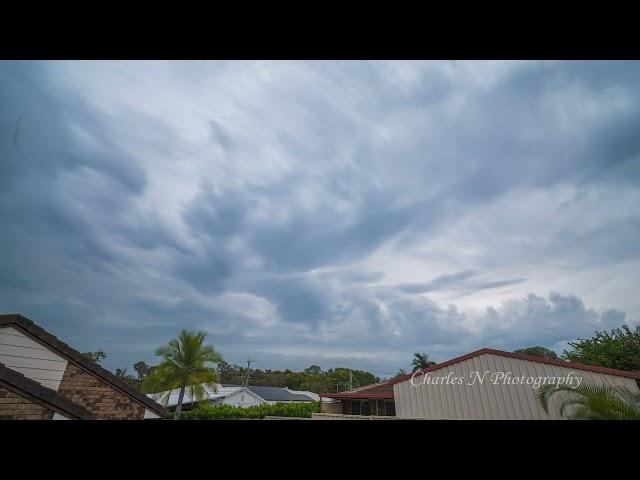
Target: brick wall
(331, 407)
(16, 407)
(98, 396)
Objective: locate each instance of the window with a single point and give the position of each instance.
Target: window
(390, 408)
(355, 407)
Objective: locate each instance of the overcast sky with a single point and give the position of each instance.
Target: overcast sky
(330, 213)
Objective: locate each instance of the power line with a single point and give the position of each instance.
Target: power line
(247, 375)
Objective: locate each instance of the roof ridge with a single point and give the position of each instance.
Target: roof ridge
(530, 358)
(54, 342)
(14, 379)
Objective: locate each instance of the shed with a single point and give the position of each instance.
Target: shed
(492, 384)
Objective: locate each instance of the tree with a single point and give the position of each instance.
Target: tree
(229, 373)
(401, 372)
(421, 361)
(538, 352)
(122, 374)
(96, 356)
(619, 349)
(593, 402)
(185, 366)
(313, 370)
(142, 368)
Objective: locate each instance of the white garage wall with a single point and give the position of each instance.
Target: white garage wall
(242, 398)
(23, 354)
(488, 401)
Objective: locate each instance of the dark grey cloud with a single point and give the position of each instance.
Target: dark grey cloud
(280, 205)
(465, 282)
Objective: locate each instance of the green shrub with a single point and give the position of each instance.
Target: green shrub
(229, 412)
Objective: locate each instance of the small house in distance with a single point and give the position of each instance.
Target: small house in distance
(371, 400)
(240, 396)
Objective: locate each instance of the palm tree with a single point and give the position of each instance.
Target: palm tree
(421, 361)
(593, 402)
(401, 373)
(184, 366)
(142, 368)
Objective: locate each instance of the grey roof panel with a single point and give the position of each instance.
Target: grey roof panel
(277, 394)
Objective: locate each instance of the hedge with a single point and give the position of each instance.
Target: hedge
(228, 412)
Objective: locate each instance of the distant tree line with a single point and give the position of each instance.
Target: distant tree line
(312, 379)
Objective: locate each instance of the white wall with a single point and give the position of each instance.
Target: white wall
(149, 414)
(242, 398)
(488, 401)
(23, 354)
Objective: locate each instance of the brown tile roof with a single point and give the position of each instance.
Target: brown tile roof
(51, 341)
(18, 383)
(382, 390)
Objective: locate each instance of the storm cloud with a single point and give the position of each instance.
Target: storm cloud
(336, 213)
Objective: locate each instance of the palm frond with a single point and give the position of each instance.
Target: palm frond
(592, 402)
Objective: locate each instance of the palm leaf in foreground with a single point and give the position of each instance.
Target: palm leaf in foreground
(593, 402)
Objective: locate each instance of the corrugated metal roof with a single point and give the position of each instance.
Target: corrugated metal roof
(278, 394)
(222, 391)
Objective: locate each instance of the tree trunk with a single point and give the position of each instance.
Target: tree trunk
(176, 415)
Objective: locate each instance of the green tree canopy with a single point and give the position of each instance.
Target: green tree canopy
(400, 373)
(538, 352)
(312, 378)
(97, 356)
(619, 349)
(142, 368)
(122, 374)
(313, 370)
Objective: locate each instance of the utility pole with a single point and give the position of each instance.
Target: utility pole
(350, 380)
(248, 373)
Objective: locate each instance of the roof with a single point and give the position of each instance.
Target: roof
(51, 341)
(18, 383)
(518, 356)
(278, 394)
(381, 390)
(222, 391)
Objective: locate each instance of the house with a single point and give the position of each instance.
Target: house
(214, 397)
(255, 395)
(484, 385)
(24, 399)
(375, 400)
(495, 385)
(241, 396)
(50, 380)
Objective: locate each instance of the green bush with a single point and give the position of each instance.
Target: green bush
(229, 412)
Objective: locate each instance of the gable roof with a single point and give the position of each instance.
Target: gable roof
(381, 390)
(39, 334)
(278, 394)
(223, 390)
(18, 383)
(518, 356)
